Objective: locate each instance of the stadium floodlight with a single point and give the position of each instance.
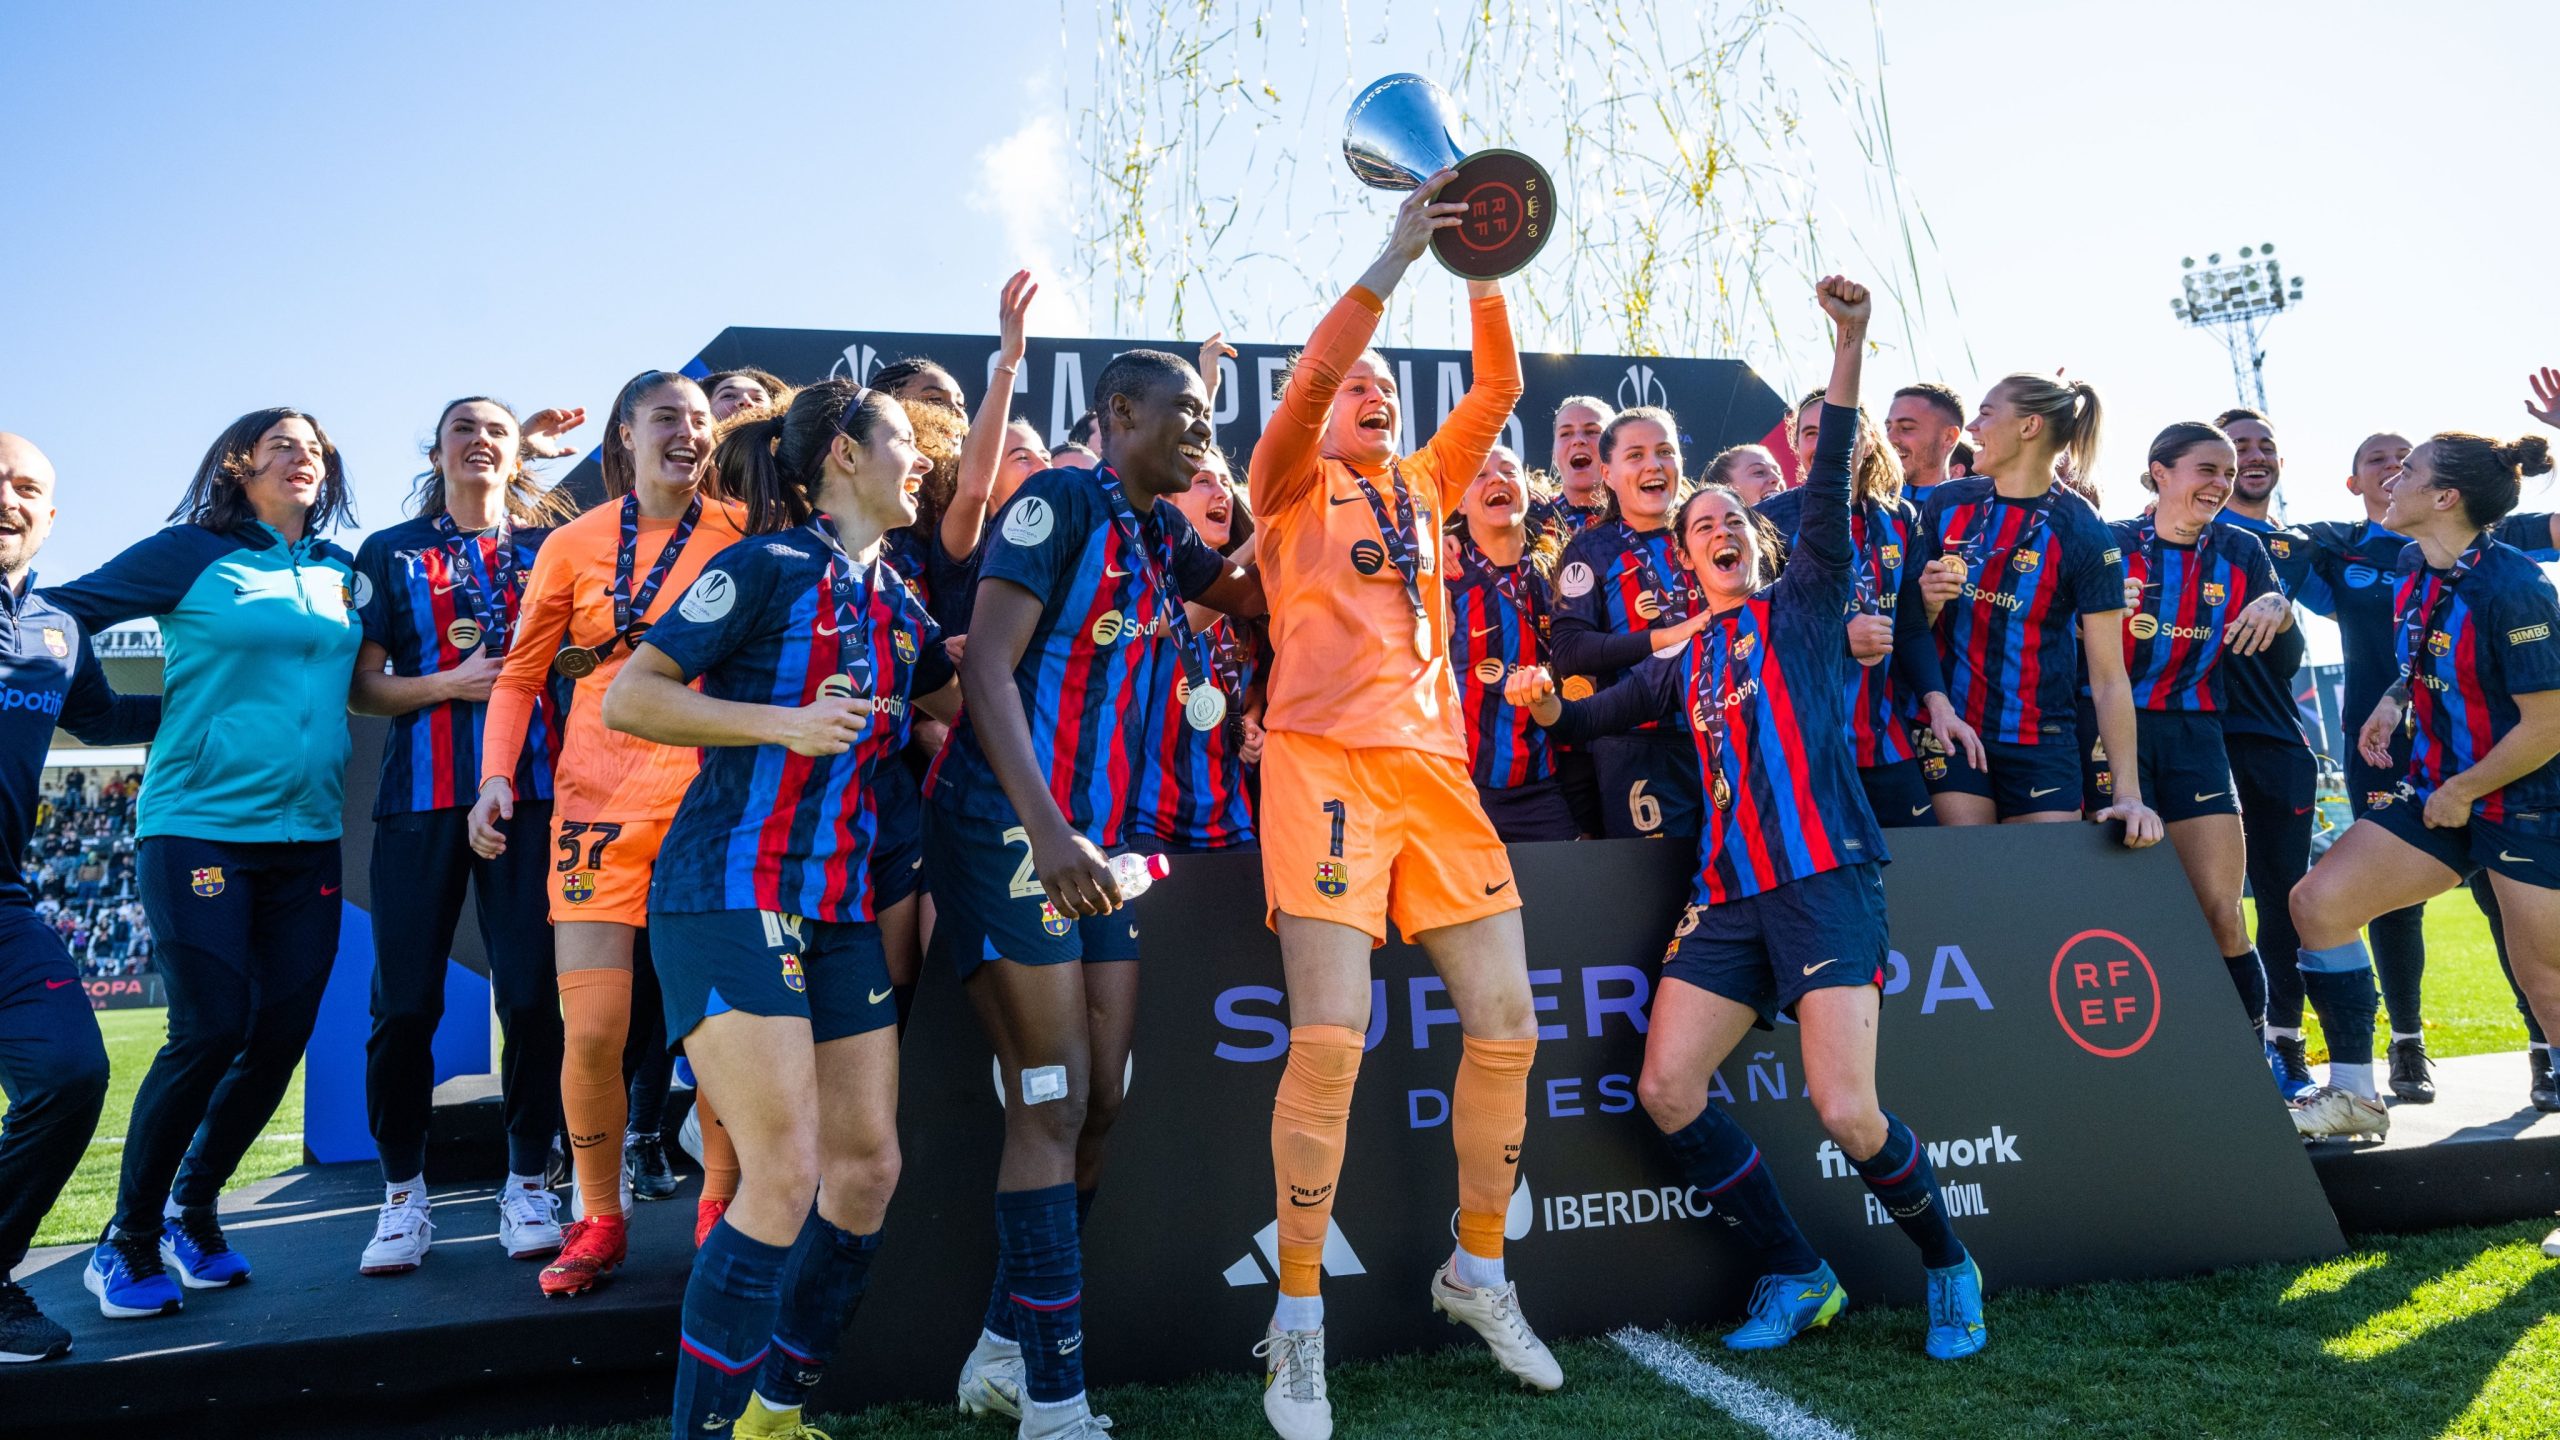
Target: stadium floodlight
(2236, 302)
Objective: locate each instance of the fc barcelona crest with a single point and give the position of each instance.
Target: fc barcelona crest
(207, 882)
(1890, 554)
(1052, 921)
(906, 644)
(2024, 561)
(2215, 592)
(1743, 645)
(2439, 642)
(578, 886)
(793, 977)
(56, 643)
(1331, 882)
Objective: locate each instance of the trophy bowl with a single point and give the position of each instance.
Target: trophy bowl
(1403, 129)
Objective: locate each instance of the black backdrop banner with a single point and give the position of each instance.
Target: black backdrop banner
(1718, 402)
(2058, 1028)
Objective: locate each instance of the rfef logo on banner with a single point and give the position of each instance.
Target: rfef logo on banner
(2105, 993)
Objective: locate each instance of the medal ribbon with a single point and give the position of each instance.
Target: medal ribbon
(1404, 550)
(1157, 569)
(1683, 593)
(629, 604)
(489, 596)
(2437, 597)
(849, 588)
(1710, 676)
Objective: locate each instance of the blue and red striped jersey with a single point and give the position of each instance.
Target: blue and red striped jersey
(1563, 516)
(762, 827)
(2472, 639)
(424, 588)
(909, 551)
(1100, 661)
(1764, 689)
(1886, 582)
(1615, 583)
(1193, 791)
(2259, 691)
(2033, 568)
(2174, 650)
(1497, 623)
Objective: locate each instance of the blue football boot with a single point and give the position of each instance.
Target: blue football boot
(126, 1275)
(191, 1244)
(1955, 1311)
(1785, 1306)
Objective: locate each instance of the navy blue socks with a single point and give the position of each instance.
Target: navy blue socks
(1716, 1156)
(821, 1289)
(729, 1309)
(1901, 1177)
(1040, 1269)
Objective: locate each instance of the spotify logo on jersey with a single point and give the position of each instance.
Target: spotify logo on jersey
(1368, 557)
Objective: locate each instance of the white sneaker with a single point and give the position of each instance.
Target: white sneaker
(689, 1135)
(1071, 1420)
(2329, 1113)
(400, 1236)
(2551, 1244)
(1293, 1389)
(1495, 1315)
(528, 1222)
(578, 1196)
(991, 1378)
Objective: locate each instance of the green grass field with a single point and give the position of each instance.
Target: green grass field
(132, 1037)
(2449, 1334)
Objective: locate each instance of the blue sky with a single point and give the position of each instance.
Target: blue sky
(367, 210)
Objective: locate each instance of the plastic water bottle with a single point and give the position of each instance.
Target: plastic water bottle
(1134, 873)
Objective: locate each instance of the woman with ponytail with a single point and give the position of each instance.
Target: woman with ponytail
(2018, 572)
(2207, 593)
(439, 600)
(2479, 689)
(808, 652)
(597, 586)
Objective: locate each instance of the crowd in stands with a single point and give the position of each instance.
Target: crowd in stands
(79, 863)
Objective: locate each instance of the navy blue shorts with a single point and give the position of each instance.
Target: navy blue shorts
(2510, 850)
(1897, 794)
(1650, 785)
(988, 904)
(1767, 950)
(831, 973)
(2186, 772)
(897, 844)
(1535, 811)
(2040, 779)
(2370, 788)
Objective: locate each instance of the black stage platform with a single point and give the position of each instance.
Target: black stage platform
(467, 1346)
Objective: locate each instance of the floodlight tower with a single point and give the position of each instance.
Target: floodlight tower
(2237, 301)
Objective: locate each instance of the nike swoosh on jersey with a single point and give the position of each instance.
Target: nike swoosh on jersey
(2216, 795)
(1497, 889)
(2040, 794)
(879, 995)
(2514, 859)
(1117, 574)
(1480, 634)
(58, 984)
(1809, 969)
(1340, 499)
(1919, 810)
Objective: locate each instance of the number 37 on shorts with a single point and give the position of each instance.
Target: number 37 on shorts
(601, 869)
(1361, 837)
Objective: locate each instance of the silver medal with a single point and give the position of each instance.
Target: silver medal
(1206, 708)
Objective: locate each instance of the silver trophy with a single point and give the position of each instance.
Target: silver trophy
(1402, 130)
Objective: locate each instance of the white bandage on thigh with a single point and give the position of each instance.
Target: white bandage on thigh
(1049, 1082)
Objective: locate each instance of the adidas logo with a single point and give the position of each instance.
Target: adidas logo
(1339, 1258)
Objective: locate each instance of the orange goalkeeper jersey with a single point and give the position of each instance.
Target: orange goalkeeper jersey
(1341, 626)
(603, 774)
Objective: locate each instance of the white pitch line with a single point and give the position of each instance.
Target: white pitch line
(1754, 1405)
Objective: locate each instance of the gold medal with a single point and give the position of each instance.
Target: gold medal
(575, 661)
(463, 634)
(838, 686)
(1206, 709)
(1723, 792)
